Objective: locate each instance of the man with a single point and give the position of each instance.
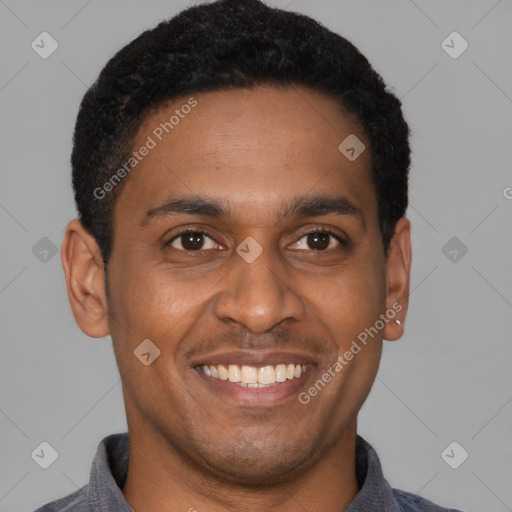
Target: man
(240, 174)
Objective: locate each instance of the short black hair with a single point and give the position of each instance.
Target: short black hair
(221, 45)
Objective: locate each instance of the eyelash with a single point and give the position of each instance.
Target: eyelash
(188, 231)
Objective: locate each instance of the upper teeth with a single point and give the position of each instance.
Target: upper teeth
(253, 376)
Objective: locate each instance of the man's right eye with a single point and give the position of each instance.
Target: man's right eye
(191, 240)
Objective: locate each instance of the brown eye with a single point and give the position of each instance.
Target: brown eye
(192, 241)
(320, 240)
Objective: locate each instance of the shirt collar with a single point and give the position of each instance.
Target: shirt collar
(108, 474)
(374, 491)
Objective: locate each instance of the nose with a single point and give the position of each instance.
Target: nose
(257, 295)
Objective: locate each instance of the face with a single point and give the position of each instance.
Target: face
(246, 246)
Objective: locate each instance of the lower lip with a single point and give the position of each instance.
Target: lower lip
(265, 396)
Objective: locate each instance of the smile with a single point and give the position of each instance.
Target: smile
(254, 376)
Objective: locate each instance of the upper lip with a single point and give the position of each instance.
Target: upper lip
(252, 358)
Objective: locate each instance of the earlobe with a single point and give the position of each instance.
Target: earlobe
(398, 273)
(85, 280)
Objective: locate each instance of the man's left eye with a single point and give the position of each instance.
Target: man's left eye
(318, 241)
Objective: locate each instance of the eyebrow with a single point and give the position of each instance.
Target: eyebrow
(304, 206)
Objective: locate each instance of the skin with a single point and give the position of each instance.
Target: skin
(252, 151)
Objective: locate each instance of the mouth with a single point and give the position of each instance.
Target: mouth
(254, 376)
(251, 379)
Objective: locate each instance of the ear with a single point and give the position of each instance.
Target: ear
(398, 274)
(85, 280)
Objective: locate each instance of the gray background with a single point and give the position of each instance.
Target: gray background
(449, 377)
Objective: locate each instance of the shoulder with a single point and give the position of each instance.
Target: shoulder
(75, 502)
(413, 503)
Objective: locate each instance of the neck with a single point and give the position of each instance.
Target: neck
(159, 479)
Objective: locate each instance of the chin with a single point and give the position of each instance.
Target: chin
(256, 463)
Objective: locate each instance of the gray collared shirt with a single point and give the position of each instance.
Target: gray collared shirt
(110, 465)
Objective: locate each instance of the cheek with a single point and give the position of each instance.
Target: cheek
(345, 305)
(151, 306)
(152, 303)
(349, 300)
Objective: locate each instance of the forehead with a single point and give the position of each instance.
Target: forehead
(253, 148)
